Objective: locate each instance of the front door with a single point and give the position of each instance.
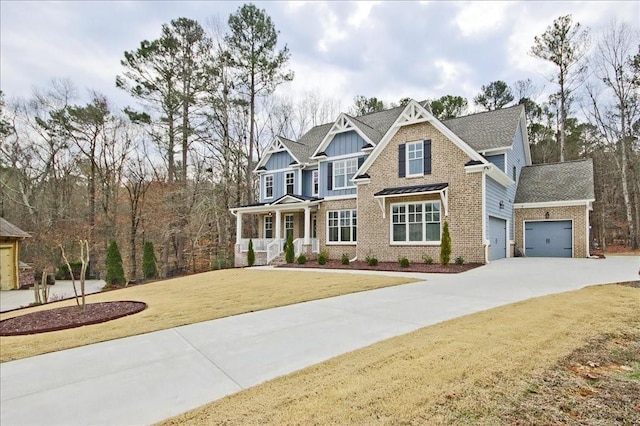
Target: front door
(288, 225)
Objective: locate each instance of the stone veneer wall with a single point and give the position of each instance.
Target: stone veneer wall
(465, 200)
(576, 213)
(336, 250)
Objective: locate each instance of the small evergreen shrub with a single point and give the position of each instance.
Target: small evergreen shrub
(289, 253)
(371, 260)
(445, 245)
(149, 262)
(221, 262)
(115, 271)
(404, 262)
(459, 260)
(323, 257)
(302, 259)
(251, 255)
(344, 259)
(427, 259)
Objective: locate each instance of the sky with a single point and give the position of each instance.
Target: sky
(389, 50)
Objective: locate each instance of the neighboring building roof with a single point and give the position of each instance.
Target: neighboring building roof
(10, 230)
(568, 181)
(487, 130)
(401, 190)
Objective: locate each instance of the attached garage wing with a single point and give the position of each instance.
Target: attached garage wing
(548, 238)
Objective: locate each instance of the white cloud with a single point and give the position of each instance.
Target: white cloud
(477, 19)
(362, 12)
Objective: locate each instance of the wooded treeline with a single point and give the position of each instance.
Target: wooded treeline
(166, 169)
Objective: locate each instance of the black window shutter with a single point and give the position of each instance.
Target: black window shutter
(427, 157)
(401, 160)
(330, 176)
(360, 161)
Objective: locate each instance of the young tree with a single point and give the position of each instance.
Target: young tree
(615, 107)
(149, 267)
(115, 271)
(251, 255)
(259, 66)
(495, 95)
(564, 44)
(448, 107)
(289, 250)
(445, 245)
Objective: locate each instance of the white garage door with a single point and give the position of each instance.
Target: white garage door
(497, 238)
(548, 239)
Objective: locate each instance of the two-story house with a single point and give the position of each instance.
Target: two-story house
(384, 183)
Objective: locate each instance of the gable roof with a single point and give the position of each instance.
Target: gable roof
(543, 183)
(8, 229)
(487, 130)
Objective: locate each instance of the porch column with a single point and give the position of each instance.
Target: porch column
(238, 227)
(307, 225)
(278, 222)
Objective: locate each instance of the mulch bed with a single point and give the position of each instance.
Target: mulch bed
(68, 317)
(387, 266)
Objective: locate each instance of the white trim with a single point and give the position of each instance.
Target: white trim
(506, 234)
(524, 233)
(414, 243)
(525, 138)
(361, 181)
(412, 114)
(587, 235)
(496, 151)
(293, 225)
(287, 169)
(284, 180)
(264, 226)
(340, 197)
(275, 146)
(271, 175)
(444, 199)
(407, 173)
(347, 179)
(342, 124)
(315, 175)
(567, 203)
(341, 157)
(485, 244)
(341, 243)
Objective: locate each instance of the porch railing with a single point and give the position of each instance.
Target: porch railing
(297, 246)
(274, 248)
(315, 245)
(259, 244)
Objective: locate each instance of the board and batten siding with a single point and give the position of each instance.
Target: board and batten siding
(344, 144)
(278, 185)
(279, 160)
(495, 193)
(307, 183)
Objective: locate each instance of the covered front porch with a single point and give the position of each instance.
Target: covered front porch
(289, 215)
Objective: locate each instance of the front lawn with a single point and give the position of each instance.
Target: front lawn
(191, 299)
(478, 369)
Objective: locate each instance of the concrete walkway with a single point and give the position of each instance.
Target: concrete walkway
(147, 378)
(14, 299)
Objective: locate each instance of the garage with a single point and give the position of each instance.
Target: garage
(548, 238)
(497, 238)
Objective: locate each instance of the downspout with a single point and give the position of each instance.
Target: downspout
(484, 214)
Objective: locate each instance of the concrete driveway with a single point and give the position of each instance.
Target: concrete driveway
(147, 378)
(14, 299)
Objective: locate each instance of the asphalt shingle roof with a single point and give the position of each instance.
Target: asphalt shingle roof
(487, 130)
(8, 229)
(571, 180)
(299, 150)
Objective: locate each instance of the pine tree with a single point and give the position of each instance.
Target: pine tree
(149, 266)
(289, 253)
(115, 271)
(445, 245)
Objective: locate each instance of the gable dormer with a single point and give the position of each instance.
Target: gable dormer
(277, 156)
(356, 135)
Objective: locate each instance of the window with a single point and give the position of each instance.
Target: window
(268, 227)
(315, 183)
(343, 171)
(342, 226)
(268, 186)
(415, 222)
(415, 158)
(289, 178)
(288, 225)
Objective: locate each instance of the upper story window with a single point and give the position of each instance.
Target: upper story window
(343, 171)
(315, 182)
(415, 158)
(289, 179)
(415, 223)
(268, 186)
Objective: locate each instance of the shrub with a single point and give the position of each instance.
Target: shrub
(302, 259)
(445, 245)
(115, 271)
(251, 255)
(459, 260)
(344, 259)
(289, 252)
(221, 262)
(427, 259)
(62, 273)
(323, 257)
(404, 262)
(371, 260)
(149, 262)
